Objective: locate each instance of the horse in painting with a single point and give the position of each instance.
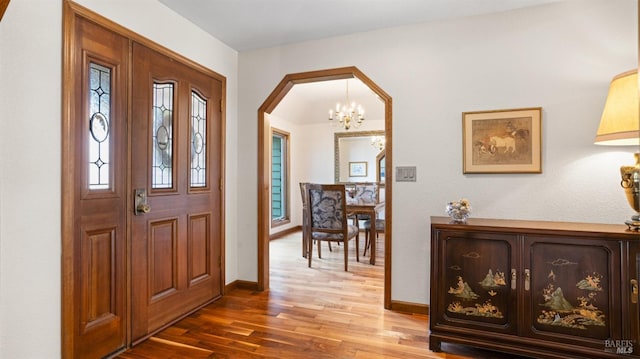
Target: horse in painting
(508, 142)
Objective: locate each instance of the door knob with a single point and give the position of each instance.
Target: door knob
(143, 208)
(140, 202)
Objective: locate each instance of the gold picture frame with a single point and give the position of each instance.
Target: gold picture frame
(357, 169)
(502, 141)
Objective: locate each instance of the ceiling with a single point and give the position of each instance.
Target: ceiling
(310, 102)
(246, 25)
(252, 24)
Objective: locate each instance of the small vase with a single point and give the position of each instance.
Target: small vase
(459, 217)
(457, 214)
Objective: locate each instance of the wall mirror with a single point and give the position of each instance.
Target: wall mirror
(381, 165)
(356, 147)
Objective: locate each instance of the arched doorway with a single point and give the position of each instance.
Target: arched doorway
(267, 107)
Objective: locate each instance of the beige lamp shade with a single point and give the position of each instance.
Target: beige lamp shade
(619, 125)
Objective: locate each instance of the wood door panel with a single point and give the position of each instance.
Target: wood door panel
(163, 258)
(199, 254)
(98, 277)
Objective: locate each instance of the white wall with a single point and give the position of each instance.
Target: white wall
(30, 63)
(560, 57)
(30, 98)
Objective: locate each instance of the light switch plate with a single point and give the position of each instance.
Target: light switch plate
(406, 174)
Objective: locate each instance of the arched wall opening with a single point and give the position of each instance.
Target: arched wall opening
(267, 107)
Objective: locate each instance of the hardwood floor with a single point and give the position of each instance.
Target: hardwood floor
(318, 312)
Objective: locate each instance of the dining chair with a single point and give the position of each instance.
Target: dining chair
(305, 220)
(367, 233)
(327, 215)
(367, 192)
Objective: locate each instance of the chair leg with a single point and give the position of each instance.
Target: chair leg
(357, 247)
(319, 250)
(305, 248)
(330, 250)
(346, 254)
(366, 242)
(309, 250)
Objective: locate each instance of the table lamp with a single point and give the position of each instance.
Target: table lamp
(620, 126)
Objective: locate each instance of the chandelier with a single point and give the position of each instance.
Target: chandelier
(348, 115)
(378, 142)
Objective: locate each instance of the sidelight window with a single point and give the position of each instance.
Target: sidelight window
(99, 126)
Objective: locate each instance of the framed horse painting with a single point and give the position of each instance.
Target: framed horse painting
(502, 141)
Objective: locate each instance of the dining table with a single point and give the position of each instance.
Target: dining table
(370, 208)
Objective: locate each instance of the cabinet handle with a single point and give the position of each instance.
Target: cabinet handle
(514, 276)
(634, 291)
(527, 280)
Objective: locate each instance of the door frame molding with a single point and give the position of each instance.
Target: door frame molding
(71, 10)
(267, 107)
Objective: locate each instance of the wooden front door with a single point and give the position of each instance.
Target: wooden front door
(140, 130)
(176, 246)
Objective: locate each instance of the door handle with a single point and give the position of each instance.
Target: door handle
(140, 202)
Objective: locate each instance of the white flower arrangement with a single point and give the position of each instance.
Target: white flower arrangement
(459, 210)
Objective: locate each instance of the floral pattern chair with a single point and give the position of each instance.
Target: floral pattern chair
(365, 192)
(327, 215)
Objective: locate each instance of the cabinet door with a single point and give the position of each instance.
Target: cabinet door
(630, 297)
(572, 290)
(474, 288)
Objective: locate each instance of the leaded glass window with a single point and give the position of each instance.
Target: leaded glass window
(198, 141)
(162, 136)
(99, 126)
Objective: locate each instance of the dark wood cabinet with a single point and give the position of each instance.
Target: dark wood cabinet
(538, 289)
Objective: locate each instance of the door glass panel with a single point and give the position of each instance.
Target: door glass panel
(198, 141)
(162, 136)
(99, 140)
